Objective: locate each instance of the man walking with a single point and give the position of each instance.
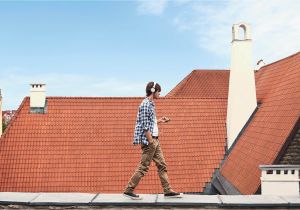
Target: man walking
(146, 133)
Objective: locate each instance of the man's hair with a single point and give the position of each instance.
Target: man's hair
(150, 85)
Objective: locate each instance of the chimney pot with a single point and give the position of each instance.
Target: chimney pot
(236, 30)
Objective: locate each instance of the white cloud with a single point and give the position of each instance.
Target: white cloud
(15, 86)
(275, 25)
(151, 7)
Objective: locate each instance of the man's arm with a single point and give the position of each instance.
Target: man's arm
(145, 112)
(144, 116)
(148, 135)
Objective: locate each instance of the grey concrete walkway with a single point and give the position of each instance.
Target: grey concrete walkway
(149, 200)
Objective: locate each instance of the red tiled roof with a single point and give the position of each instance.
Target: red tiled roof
(72, 148)
(84, 144)
(278, 89)
(203, 84)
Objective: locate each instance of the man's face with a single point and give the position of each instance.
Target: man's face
(156, 95)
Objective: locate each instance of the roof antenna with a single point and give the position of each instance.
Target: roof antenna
(259, 64)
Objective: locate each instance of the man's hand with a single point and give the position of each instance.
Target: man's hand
(163, 120)
(150, 141)
(149, 136)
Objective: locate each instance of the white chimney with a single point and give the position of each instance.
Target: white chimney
(37, 95)
(280, 180)
(242, 92)
(1, 113)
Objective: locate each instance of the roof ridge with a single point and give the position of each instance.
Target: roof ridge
(180, 84)
(288, 57)
(191, 97)
(94, 97)
(162, 97)
(211, 69)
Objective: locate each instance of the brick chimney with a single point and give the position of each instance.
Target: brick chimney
(37, 98)
(242, 92)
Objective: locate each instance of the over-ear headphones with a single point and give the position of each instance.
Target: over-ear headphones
(153, 88)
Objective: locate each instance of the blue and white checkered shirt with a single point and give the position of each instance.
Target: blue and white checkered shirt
(144, 121)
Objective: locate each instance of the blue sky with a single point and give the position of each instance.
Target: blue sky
(113, 48)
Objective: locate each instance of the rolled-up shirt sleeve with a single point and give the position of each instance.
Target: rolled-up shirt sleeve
(145, 116)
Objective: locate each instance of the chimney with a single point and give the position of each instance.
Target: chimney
(242, 92)
(1, 113)
(37, 98)
(280, 180)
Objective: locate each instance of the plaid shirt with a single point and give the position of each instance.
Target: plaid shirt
(144, 121)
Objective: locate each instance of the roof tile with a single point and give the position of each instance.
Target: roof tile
(278, 89)
(84, 144)
(203, 84)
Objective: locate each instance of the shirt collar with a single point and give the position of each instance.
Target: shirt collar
(151, 102)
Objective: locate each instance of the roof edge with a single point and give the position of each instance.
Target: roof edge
(14, 117)
(133, 98)
(180, 84)
(211, 70)
(184, 80)
(287, 142)
(223, 185)
(241, 133)
(95, 97)
(290, 56)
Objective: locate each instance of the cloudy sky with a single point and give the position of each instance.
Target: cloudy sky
(113, 48)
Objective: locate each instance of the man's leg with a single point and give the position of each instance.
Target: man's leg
(147, 155)
(161, 165)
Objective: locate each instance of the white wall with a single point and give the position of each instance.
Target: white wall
(242, 92)
(37, 95)
(280, 180)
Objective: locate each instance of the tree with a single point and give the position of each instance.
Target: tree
(4, 125)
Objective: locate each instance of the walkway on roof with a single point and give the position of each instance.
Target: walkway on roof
(149, 200)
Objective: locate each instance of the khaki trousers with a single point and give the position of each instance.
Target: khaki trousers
(150, 152)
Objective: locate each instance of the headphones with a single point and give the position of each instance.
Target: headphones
(153, 88)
